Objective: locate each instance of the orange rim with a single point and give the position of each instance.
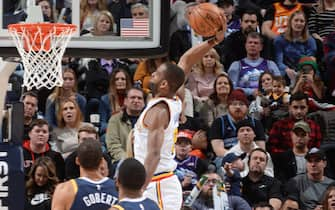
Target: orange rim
(42, 30)
(45, 27)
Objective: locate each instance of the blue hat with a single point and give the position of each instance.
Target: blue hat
(231, 157)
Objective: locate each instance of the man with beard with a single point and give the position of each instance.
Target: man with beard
(258, 187)
(245, 136)
(292, 162)
(309, 188)
(154, 135)
(205, 199)
(245, 73)
(156, 129)
(276, 17)
(234, 45)
(223, 132)
(280, 133)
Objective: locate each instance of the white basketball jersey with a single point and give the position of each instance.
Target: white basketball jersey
(166, 162)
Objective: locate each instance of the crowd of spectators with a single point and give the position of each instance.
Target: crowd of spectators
(246, 105)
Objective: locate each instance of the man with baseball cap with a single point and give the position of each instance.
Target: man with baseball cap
(246, 135)
(280, 133)
(308, 188)
(189, 167)
(230, 168)
(292, 162)
(223, 132)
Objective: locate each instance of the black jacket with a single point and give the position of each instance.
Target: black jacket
(30, 157)
(285, 165)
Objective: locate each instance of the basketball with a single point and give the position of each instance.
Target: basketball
(204, 19)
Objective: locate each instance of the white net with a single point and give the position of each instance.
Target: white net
(41, 47)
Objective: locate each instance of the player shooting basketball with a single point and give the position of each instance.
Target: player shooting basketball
(156, 129)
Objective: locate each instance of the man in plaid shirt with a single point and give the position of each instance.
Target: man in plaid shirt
(279, 136)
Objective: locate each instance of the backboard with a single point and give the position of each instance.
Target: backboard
(116, 44)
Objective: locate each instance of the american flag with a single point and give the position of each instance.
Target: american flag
(134, 27)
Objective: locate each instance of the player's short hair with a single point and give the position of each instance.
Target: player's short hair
(131, 174)
(89, 154)
(174, 75)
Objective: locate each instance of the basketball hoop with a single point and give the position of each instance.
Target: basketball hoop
(41, 47)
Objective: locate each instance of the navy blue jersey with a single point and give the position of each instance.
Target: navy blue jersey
(94, 195)
(137, 204)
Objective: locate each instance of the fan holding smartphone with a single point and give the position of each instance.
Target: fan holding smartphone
(308, 80)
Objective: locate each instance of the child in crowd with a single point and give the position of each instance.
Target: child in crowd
(189, 167)
(230, 168)
(278, 102)
(272, 102)
(279, 94)
(256, 108)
